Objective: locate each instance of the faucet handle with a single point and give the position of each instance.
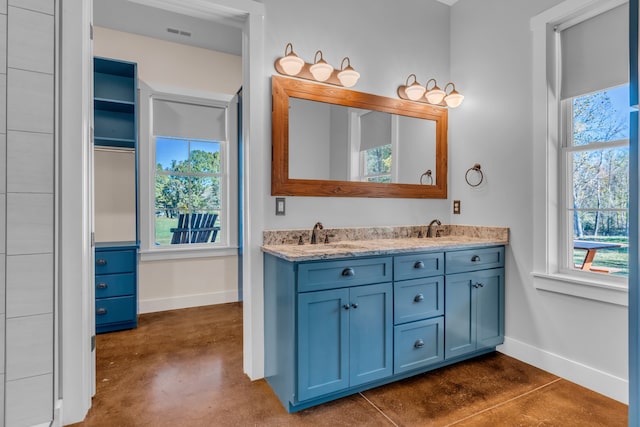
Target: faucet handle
(300, 240)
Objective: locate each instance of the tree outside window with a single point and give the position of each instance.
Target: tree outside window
(376, 164)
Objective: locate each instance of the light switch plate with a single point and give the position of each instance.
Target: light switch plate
(280, 206)
(456, 207)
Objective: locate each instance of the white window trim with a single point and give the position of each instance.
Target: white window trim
(228, 245)
(547, 274)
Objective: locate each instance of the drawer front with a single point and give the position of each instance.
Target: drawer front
(415, 266)
(118, 309)
(115, 261)
(418, 299)
(115, 285)
(418, 344)
(337, 274)
(474, 259)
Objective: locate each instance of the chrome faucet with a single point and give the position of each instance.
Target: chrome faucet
(314, 233)
(435, 221)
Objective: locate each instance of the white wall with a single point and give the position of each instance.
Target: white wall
(385, 42)
(170, 284)
(582, 340)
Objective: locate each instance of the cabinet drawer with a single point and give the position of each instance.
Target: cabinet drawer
(418, 299)
(115, 285)
(418, 265)
(118, 309)
(418, 344)
(115, 261)
(474, 259)
(336, 274)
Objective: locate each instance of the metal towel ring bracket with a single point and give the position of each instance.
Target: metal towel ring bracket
(429, 176)
(475, 168)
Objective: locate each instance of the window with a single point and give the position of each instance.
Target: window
(595, 152)
(376, 164)
(188, 191)
(580, 69)
(190, 195)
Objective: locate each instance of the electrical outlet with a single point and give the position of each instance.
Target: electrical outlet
(456, 207)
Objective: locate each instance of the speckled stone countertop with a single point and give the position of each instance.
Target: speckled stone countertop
(367, 241)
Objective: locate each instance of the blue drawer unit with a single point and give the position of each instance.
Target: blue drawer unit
(418, 344)
(116, 287)
(418, 265)
(418, 299)
(474, 259)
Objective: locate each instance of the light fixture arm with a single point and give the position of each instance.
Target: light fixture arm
(415, 80)
(346, 58)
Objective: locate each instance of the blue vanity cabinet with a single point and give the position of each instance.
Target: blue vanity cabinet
(344, 338)
(474, 301)
(418, 298)
(116, 287)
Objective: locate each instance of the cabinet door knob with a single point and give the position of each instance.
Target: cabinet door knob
(101, 261)
(480, 285)
(475, 258)
(354, 305)
(346, 306)
(418, 298)
(418, 264)
(419, 344)
(101, 311)
(348, 272)
(102, 285)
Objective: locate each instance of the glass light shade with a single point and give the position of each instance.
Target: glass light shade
(348, 77)
(435, 95)
(414, 92)
(454, 99)
(321, 70)
(291, 64)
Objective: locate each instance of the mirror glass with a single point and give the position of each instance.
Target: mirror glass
(335, 142)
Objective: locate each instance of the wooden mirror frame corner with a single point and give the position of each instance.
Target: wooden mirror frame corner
(282, 88)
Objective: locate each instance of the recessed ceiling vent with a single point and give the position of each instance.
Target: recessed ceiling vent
(179, 32)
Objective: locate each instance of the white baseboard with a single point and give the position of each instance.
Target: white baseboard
(186, 301)
(586, 376)
(57, 414)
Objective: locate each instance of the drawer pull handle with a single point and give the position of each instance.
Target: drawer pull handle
(102, 285)
(348, 272)
(418, 298)
(419, 344)
(346, 306)
(354, 305)
(475, 258)
(101, 311)
(418, 264)
(101, 261)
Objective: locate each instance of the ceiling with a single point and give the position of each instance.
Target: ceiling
(132, 17)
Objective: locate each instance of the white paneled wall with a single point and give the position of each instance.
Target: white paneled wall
(27, 207)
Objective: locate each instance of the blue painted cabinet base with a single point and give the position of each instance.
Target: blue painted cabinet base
(320, 315)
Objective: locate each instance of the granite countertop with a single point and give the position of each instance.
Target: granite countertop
(347, 244)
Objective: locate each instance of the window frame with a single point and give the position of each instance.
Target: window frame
(228, 244)
(548, 190)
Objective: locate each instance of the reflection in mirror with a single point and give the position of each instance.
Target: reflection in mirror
(337, 142)
(334, 142)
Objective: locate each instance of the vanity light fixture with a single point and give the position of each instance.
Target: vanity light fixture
(414, 91)
(433, 96)
(453, 99)
(292, 65)
(320, 69)
(348, 76)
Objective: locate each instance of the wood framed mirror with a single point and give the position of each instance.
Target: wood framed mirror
(334, 142)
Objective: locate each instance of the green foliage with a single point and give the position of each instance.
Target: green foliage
(378, 164)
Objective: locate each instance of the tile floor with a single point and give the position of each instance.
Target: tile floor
(184, 368)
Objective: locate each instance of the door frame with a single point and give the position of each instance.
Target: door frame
(74, 55)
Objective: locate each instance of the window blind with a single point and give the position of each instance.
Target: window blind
(595, 53)
(185, 120)
(375, 128)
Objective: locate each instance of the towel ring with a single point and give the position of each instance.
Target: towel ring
(428, 175)
(476, 168)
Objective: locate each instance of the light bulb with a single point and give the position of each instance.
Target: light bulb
(413, 91)
(291, 64)
(435, 95)
(320, 69)
(453, 98)
(348, 76)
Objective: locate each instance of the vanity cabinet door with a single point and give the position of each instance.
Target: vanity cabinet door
(323, 342)
(474, 311)
(370, 333)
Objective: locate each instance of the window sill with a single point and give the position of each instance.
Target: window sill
(159, 254)
(612, 292)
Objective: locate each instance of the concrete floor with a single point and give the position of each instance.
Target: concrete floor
(184, 368)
